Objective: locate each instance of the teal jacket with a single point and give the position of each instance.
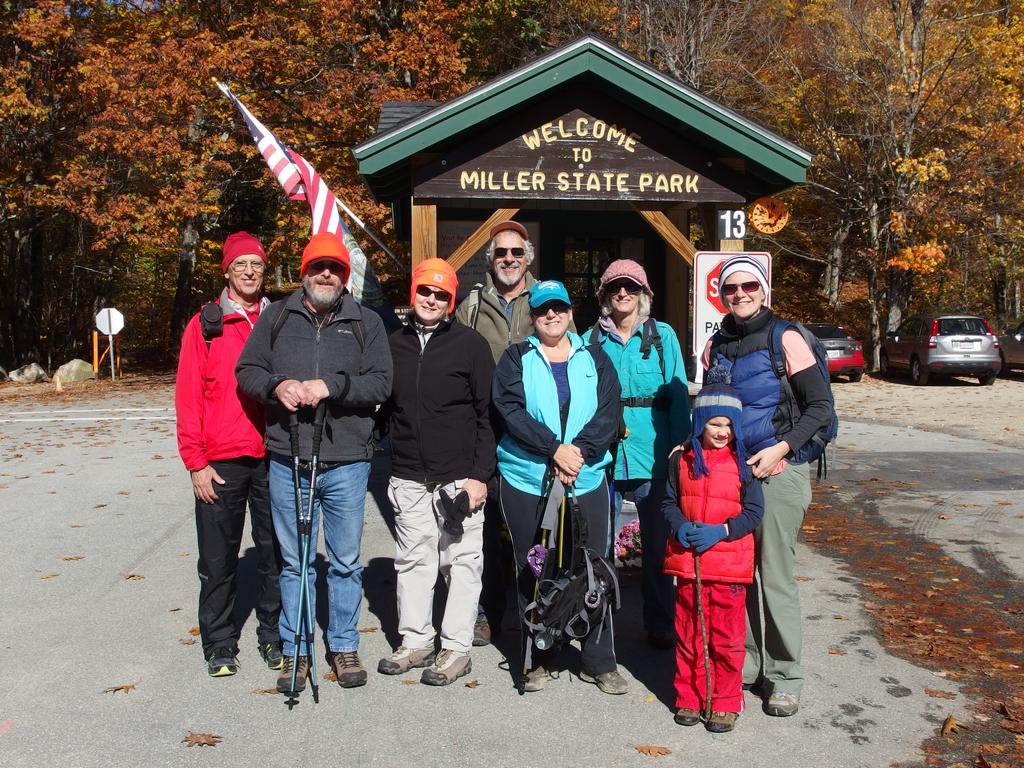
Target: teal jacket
(653, 432)
(525, 396)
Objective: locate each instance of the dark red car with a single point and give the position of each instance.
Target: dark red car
(845, 355)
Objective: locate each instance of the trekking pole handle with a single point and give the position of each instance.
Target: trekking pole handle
(318, 426)
(293, 429)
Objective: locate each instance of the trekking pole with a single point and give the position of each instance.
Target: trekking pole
(304, 626)
(703, 637)
(314, 462)
(293, 429)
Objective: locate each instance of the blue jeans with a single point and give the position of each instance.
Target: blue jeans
(340, 496)
(656, 586)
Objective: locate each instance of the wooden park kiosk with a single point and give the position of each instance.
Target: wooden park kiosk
(599, 155)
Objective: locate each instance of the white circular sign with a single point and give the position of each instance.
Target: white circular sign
(109, 321)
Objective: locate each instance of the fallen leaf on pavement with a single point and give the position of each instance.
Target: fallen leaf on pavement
(950, 725)
(409, 681)
(937, 694)
(194, 631)
(187, 641)
(649, 698)
(134, 577)
(100, 505)
(652, 751)
(48, 576)
(201, 740)
(367, 630)
(172, 610)
(125, 688)
(72, 558)
(266, 691)
(330, 677)
(472, 683)
(836, 651)
(803, 578)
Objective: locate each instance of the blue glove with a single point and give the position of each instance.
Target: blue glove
(703, 537)
(683, 531)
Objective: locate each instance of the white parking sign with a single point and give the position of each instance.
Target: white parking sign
(109, 321)
(708, 307)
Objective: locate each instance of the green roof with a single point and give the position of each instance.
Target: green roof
(776, 163)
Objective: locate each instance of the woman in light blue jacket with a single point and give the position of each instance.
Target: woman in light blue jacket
(655, 417)
(558, 401)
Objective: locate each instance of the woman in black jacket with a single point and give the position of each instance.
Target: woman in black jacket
(442, 455)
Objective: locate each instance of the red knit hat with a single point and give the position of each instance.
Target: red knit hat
(325, 245)
(628, 269)
(241, 244)
(437, 273)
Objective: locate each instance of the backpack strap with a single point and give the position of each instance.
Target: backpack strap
(211, 320)
(357, 327)
(775, 349)
(474, 307)
(652, 337)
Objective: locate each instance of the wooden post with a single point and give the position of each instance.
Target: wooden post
(677, 270)
(95, 352)
(424, 231)
(476, 241)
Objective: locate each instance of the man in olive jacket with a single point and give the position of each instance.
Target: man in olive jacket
(320, 345)
(499, 310)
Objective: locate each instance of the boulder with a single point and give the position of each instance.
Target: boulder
(3, 374)
(28, 374)
(75, 370)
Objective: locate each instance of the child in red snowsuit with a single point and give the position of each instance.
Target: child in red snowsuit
(712, 505)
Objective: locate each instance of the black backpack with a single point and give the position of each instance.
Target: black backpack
(815, 447)
(571, 602)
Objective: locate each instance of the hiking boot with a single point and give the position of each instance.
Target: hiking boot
(447, 668)
(481, 632)
(271, 653)
(609, 682)
(284, 679)
(221, 662)
(538, 679)
(404, 659)
(348, 669)
(721, 722)
(687, 717)
(782, 704)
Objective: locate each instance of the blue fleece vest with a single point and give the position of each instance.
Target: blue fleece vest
(524, 470)
(759, 388)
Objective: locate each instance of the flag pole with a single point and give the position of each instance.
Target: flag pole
(226, 90)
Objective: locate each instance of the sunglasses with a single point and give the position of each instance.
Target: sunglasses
(631, 288)
(426, 291)
(318, 266)
(558, 307)
(751, 286)
(499, 253)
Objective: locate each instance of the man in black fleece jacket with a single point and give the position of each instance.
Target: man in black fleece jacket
(442, 455)
(319, 345)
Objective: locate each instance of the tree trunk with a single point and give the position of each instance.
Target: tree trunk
(182, 309)
(834, 264)
(20, 340)
(999, 291)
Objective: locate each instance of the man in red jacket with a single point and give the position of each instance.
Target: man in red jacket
(220, 439)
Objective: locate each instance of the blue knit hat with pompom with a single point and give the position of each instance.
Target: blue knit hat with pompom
(717, 398)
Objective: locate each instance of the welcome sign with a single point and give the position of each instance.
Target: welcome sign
(579, 156)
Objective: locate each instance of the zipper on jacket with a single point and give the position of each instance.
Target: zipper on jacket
(419, 425)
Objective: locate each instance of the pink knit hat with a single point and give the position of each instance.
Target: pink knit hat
(628, 269)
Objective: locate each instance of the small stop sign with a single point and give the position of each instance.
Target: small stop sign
(712, 289)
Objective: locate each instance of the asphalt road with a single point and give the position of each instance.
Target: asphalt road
(106, 488)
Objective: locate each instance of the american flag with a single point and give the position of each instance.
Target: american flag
(300, 181)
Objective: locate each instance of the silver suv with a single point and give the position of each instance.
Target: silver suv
(948, 345)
